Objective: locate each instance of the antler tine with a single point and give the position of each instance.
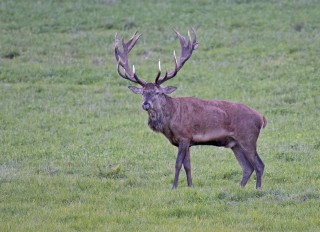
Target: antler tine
(159, 72)
(133, 41)
(181, 38)
(125, 75)
(122, 58)
(195, 43)
(186, 51)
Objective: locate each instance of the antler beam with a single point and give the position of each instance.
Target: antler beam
(122, 59)
(186, 51)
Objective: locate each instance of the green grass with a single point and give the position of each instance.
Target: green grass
(76, 153)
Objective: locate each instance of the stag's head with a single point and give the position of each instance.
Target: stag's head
(152, 92)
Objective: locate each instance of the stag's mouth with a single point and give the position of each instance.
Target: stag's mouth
(152, 114)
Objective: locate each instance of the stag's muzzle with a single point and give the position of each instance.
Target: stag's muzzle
(146, 106)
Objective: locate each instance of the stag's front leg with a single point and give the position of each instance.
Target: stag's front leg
(182, 152)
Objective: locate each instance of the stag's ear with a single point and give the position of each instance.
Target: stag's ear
(169, 89)
(136, 89)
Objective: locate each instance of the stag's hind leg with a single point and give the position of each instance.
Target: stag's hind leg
(246, 165)
(259, 168)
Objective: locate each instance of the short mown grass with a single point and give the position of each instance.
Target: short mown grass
(76, 153)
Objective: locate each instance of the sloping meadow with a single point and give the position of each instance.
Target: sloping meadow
(76, 153)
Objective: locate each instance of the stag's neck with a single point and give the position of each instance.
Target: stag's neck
(160, 115)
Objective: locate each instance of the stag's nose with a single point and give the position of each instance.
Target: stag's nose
(146, 106)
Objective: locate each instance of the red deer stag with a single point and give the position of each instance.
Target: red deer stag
(188, 121)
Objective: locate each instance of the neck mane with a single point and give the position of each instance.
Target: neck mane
(159, 116)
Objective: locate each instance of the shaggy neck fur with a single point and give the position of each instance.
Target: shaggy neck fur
(158, 115)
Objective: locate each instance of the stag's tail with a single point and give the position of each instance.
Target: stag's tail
(264, 122)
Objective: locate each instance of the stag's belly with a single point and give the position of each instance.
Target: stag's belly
(219, 137)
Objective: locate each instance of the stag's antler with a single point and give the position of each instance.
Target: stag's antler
(186, 51)
(122, 58)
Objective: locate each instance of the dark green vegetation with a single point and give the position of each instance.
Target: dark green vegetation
(76, 153)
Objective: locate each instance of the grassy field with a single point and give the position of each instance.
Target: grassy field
(76, 153)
